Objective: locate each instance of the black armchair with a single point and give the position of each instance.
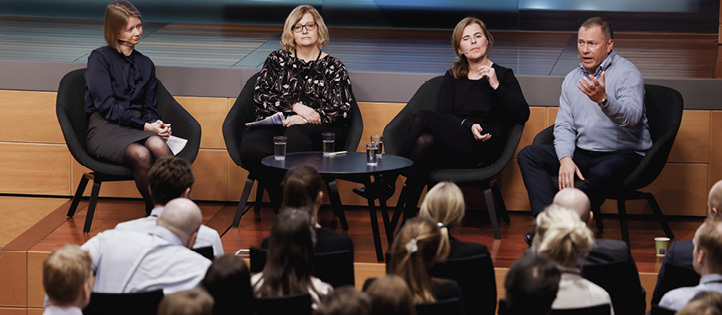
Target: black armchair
(427, 97)
(664, 107)
(624, 288)
(142, 303)
(70, 109)
(289, 304)
(335, 268)
(244, 111)
(476, 279)
(449, 306)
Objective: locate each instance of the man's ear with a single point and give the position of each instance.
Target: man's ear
(192, 240)
(187, 193)
(591, 217)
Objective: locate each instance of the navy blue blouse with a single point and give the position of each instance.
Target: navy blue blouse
(115, 84)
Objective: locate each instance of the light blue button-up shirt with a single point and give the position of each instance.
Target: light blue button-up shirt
(620, 126)
(678, 298)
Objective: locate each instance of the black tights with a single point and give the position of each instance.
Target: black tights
(140, 158)
(421, 146)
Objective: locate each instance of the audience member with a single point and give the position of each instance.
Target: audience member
(706, 260)
(190, 302)
(680, 252)
(564, 238)
(412, 254)
(303, 189)
(531, 286)
(131, 261)
(228, 280)
(345, 300)
(67, 280)
(289, 261)
(170, 178)
(704, 303)
(390, 295)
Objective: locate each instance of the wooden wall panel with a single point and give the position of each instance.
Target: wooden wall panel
(375, 117)
(13, 273)
(210, 113)
(29, 117)
(13, 311)
(692, 142)
(551, 115)
(34, 168)
(715, 160)
(512, 188)
(211, 172)
(236, 179)
(36, 293)
(536, 123)
(35, 311)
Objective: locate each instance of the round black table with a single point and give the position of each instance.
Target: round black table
(352, 167)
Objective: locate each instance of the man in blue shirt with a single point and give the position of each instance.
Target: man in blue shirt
(601, 131)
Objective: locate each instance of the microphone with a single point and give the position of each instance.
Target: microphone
(122, 40)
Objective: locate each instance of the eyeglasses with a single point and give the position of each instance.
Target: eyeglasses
(310, 26)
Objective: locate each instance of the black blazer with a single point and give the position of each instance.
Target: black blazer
(679, 254)
(326, 241)
(461, 249)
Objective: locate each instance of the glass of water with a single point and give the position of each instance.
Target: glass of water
(279, 147)
(371, 158)
(379, 140)
(328, 140)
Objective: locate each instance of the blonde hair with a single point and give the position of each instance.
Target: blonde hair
(704, 303)
(413, 253)
(287, 40)
(709, 239)
(562, 236)
(444, 203)
(460, 67)
(191, 302)
(117, 14)
(65, 271)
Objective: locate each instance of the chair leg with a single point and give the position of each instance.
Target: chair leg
(492, 213)
(259, 199)
(79, 194)
(91, 207)
(242, 202)
(658, 213)
(336, 203)
(500, 202)
(400, 204)
(622, 208)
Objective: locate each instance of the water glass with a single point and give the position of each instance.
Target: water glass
(379, 140)
(328, 140)
(371, 158)
(279, 147)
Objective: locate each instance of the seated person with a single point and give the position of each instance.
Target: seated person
(170, 178)
(412, 254)
(67, 280)
(531, 286)
(345, 300)
(303, 189)
(707, 261)
(390, 295)
(191, 302)
(228, 280)
(289, 260)
(130, 261)
(564, 238)
(311, 88)
(704, 303)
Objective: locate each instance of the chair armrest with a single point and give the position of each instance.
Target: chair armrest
(545, 136)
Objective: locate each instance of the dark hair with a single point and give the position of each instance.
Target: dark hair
(228, 280)
(390, 295)
(412, 254)
(603, 23)
(191, 302)
(531, 285)
(301, 187)
(345, 300)
(117, 14)
(169, 178)
(290, 256)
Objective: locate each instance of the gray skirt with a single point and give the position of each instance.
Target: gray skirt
(107, 141)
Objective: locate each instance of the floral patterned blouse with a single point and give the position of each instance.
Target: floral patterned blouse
(322, 84)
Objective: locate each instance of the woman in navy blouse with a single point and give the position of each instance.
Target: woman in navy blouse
(123, 125)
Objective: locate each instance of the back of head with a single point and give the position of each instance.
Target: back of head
(345, 300)
(65, 272)
(228, 281)
(562, 236)
(117, 14)
(714, 201)
(191, 302)
(531, 285)
(290, 255)
(169, 178)
(709, 239)
(574, 199)
(390, 295)
(444, 204)
(301, 187)
(182, 217)
(704, 303)
(412, 254)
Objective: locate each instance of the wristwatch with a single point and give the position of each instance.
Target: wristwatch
(604, 102)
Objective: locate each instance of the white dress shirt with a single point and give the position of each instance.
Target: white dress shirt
(130, 261)
(678, 298)
(577, 292)
(206, 236)
(62, 310)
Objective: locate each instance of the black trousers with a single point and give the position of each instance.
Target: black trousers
(603, 171)
(257, 143)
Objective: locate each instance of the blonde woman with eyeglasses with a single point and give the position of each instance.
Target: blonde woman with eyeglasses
(308, 86)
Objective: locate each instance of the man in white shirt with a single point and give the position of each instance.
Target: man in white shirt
(131, 261)
(170, 178)
(67, 281)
